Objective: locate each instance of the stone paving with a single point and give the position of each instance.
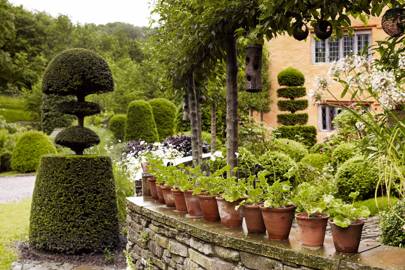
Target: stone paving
(15, 188)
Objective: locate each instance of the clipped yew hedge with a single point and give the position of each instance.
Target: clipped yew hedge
(74, 207)
(292, 105)
(164, 112)
(292, 119)
(117, 125)
(303, 134)
(292, 92)
(141, 122)
(30, 147)
(291, 77)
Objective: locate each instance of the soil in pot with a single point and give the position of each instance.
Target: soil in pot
(230, 217)
(209, 207)
(278, 221)
(253, 218)
(152, 187)
(193, 204)
(168, 196)
(347, 240)
(312, 229)
(179, 200)
(159, 193)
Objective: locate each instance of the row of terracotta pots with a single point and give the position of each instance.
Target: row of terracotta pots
(276, 221)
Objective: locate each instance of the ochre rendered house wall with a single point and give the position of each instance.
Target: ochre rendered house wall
(285, 51)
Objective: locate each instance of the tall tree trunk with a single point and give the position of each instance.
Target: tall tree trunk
(199, 120)
(213, 127)
(194, 122)
(261, 116)
(231, 103)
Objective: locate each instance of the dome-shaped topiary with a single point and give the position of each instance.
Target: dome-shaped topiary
(342, 153)
(356, 174)
(117, 124)
(291, 77)
(294, 149)
(74, 206)
(277, 164)
(29, 149)
(141, 122)
(316, 160)
(77, 72)
(164, 112)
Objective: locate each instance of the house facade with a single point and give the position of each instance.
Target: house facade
(313, 58)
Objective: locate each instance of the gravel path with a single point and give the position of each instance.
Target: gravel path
(14, 188)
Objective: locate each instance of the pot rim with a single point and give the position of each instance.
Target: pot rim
(358, 222)
(166, 187)
(219, 198)
(288, 207)
(304, 215)
(253, 205)
(205, 196)
(177, 190)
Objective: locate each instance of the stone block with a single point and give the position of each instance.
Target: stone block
(190, 265)
(201, 246)
(219, 264)
(259, 262)
(227, 254)
(159, 263)
(202, 260)
(161, 240)
(183, 238)
(155, 248)
(177, 248)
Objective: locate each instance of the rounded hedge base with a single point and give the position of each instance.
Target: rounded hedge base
(74, 208)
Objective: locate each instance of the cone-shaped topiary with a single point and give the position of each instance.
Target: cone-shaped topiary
(117, 126)
(164, 112)
(141, 122)
(74, 206)
(29, 149)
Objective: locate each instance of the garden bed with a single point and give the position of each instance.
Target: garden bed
(159, 236)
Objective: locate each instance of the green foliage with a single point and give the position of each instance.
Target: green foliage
(292, 105)
(343, 152)
(303, 134)
(5, 161)
(77, 72)
(164, 112)
(312, 198)
(291, 92)
(256, 189)
(141, 122)
(378, 204)
(74, 205)
(247, 163)
(277, 164)
(291, 77)
(294, 149)
(10, 102)
(343, 214)
(357, 174)
(213, 184)
(29, 149)
(12, 115)
(254, 137)
(392, 224)
(279, 194)
(117, 126)
(51, 118)
(316, 160)
(292, 119)
(233, 189)
(124, 188)
(77, 138)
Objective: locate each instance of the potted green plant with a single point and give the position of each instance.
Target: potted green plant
(234, 190)
(169, 178)
(156, 168)
(347, 224)
(251, 204)
(312, 202)
(278, 210)
(181, 184)
(192, 202)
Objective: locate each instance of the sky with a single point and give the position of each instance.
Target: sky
(136, 12)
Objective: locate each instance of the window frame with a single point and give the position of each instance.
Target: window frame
(329, 123)
(341, 46)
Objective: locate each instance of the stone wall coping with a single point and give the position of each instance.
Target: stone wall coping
(370, 257)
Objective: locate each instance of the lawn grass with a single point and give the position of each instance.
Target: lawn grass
(377, 205)
(14, 220)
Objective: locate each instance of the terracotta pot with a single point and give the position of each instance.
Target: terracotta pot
(193, 204)
(278, 221)
(312, 229)
(209, 207)
(347, 240)
(253, 218)
(168, 196)
(152, 187)
(179, 200)
(159, 193)
(230, 217)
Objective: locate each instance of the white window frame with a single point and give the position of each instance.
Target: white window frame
(355, 47)
(328, 120)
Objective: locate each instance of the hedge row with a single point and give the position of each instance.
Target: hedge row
(291, 119)
(303, 134)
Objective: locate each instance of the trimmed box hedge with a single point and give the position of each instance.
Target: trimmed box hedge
(291, 77)
(74, 207)
(164, 112)
(303, 134)
(292, 92)
(117, 125)
(141, 122)
(292, 105)
(292, 119)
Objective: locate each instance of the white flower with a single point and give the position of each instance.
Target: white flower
(360, 125)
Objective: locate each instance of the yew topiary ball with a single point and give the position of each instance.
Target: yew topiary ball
(77, 72)
(291, 77)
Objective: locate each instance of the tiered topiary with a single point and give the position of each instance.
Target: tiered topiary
(74, 206)
(29, 149)
(164, 112)
(141, 122)
(117, 125)
(292, 81)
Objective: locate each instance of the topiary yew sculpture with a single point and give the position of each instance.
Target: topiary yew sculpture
(74, 206)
